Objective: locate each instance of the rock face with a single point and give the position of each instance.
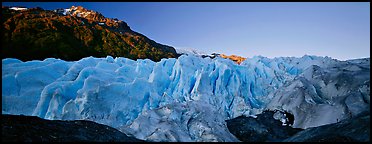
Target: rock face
(72, 34)
(95, 17)
(356, 129)
(235, 58)
(18, 128)
(263, 128)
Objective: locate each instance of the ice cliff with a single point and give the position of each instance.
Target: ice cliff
(184, 99)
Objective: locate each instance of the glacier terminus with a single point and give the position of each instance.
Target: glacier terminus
(188, 98)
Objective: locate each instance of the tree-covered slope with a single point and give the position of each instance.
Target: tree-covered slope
(38, 34)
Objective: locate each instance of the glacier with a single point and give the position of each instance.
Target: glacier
(183, 99)
(325, 95)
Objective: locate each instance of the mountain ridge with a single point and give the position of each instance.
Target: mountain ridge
(72, 34)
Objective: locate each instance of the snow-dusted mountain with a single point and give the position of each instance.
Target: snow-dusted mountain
(190, 51)
(185, 99)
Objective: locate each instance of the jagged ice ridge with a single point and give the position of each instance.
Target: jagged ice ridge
(184, 99)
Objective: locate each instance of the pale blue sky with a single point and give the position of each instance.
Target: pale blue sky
(339, 30)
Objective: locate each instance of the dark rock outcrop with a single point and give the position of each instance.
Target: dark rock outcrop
(264, 128)
(351, 130)
(20, 128)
